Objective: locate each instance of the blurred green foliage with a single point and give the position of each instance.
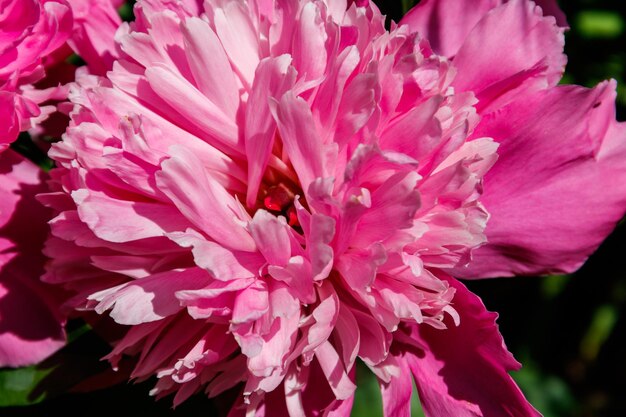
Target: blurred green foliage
(569, 332)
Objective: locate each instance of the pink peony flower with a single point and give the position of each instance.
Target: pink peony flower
(33, 35)
(264, 191)
(33, 39)
(30, 31)
(31, 327)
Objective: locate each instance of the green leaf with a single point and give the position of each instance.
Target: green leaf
(18, 386)
(78, 360)
(599, 24)
(367, 399)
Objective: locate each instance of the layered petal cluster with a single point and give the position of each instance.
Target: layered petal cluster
(261, 192)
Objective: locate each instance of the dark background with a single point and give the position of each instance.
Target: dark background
(569, 332)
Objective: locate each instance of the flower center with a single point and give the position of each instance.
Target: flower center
(279, 199)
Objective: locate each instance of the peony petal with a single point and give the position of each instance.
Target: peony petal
(239, 38)
(95, 24)
(446, 23)
(397, 394)
(251, 303)
(273, 78)
(149, 299)
(551, 8)
(471, 381)
(300, 139)
(309, 43)
(529, 56)
(194, 106)
(333, 369)
(272, 237)
(31, 327)
(548, 212)
(223, 264)
(210, 66)
(9, 119)
(123, 221)
(202, 200)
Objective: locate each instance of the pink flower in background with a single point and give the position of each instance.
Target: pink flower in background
(33, 36)
(33, 49)
(30, 31)
(263, 192)
(31, 327)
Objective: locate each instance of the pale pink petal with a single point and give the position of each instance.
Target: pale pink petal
(210, 66)
(302, 143)
(271, 237)
(347, 332)
(331, 364)
(237, 34)
(122, 221)
(359, 104)
(416, 133)
(277, 346)
(196, 108)
(149, 299)
(273, 77)
(222, 264)
(394, 205)
(202, 200)
(321, 254)
(251, 303)
(309, 42)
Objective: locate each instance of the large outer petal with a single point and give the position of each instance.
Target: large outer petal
(514, 48)
(463, 371)
(446, 23)
(30, 326)
(559, 186)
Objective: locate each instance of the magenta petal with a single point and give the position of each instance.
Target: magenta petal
(397, 395)
(463, 371)
(9, 119)
(551, 8)
(548, 209)
(31, 327)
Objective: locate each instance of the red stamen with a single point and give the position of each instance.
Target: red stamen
(292, 216)
(278, 198)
